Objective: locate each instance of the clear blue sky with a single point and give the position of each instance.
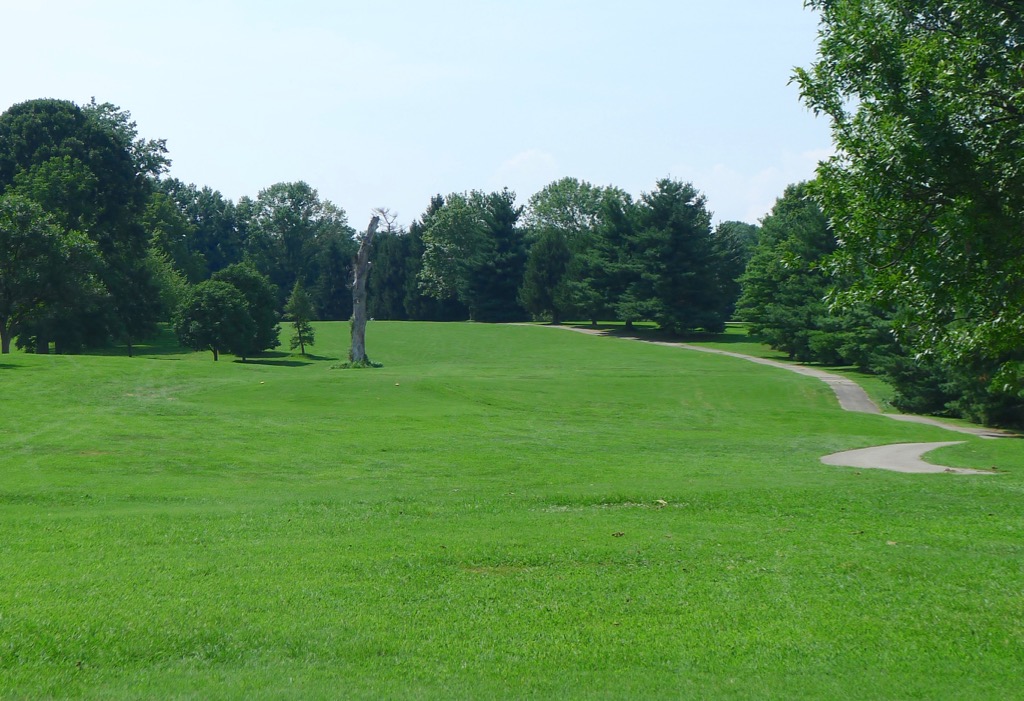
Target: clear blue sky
(387, 102)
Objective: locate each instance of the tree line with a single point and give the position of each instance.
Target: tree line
(100, 245)
(904, 256)
(575, 251)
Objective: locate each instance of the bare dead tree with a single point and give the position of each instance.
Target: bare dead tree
(361, 269)
(389, 218)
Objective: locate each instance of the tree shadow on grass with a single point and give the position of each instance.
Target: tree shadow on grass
(162, 342)
(310, 356)
(274, 358)
(7, 366)
(275, 362)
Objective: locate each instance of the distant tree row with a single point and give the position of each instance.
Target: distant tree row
(575, 251)
(100, 246)
(287, 233)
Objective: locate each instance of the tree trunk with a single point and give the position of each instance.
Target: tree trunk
(5, 339)
(357, 353)
(216, 355)
(43, 346)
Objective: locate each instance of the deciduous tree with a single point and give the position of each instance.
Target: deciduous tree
(215, 317)
(286, 230)
(212, 236)
(40, 264)
(88, 169)
(926, 189)
(261, 300)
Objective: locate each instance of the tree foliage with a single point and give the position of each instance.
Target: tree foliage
(215, 317)
(419, 301)
(543, 290)
(562, 222)
(785, 284)
(89, 171)
(926, 189)
(261, 301)
(299, 313)
(205, 237)
(41, 264)
(475, 251)
(676, 281)
(290, 232)
(496, 272)
(389, 275)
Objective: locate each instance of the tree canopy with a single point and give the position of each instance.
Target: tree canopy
(89, 172)
(215, 317)
(260, 299)
(926, 190)
(785, 284)
(41, 264)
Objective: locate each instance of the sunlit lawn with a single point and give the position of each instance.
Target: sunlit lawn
(498, 512)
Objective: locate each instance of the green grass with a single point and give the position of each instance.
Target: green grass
(736, 340)
(480, 518)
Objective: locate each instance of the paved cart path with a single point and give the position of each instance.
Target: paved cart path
(899, 457)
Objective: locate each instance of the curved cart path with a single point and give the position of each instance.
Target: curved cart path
(899, 457)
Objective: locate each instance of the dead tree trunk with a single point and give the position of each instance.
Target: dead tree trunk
(357, 353)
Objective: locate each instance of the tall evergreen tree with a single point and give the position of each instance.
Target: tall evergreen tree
(785, 284)
(388, 276)
(329, 274)
(496, 273)
(299, 313)
(679, 276)
(734, 243)
(543, 291)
